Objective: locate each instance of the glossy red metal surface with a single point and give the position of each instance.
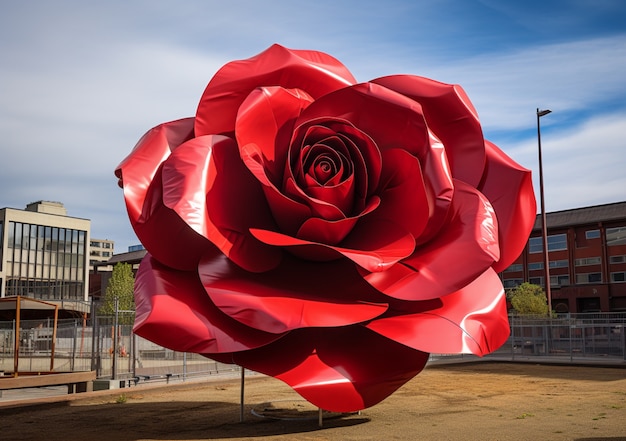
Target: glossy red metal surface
(325, 232)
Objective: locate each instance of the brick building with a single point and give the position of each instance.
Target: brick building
(587, 255)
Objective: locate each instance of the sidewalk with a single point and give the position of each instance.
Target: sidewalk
(52, 394)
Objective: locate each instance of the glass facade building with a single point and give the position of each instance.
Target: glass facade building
(44, 253)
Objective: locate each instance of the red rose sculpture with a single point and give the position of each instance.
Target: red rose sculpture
(325, 232)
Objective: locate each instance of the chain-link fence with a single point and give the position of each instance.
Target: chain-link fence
(107, 345)
(573, 337)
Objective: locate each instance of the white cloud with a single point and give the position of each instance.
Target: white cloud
(507, 88)
(583, 165)
(80, 83)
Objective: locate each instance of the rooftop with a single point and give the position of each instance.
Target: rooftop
(585, 215)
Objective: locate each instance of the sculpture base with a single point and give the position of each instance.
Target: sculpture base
(286, 410)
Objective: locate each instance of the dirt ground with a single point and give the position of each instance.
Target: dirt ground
(471, 401)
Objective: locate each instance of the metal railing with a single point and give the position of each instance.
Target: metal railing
(111, 349)
(577, 337)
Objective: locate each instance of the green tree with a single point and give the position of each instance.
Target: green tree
(120, 286)
(529, 299)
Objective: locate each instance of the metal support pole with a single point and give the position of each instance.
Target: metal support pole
(243, 375)
(134, 354)
(114, 355)
(544, 227)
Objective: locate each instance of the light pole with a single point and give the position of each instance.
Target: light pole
(544, 228)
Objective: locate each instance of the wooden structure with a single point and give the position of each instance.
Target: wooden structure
(17, 304)
(75, 381)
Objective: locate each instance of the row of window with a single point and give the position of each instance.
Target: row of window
(40, 237)
(44, 261)
(558, 242)
(46, 289)
(100, 253)
(564, 263)
(563, 279)
(98, 244)
(614, 236)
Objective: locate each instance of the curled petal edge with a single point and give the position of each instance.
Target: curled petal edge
(472, 320)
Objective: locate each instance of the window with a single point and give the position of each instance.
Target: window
(588, 261)
(514, 268)
(559, 280)
(592, 234)
(536, 280)
(533, 266)
(588, 278)
(559, 264)
(619, 277)
(535, 245)
(512, 283)
(617, 259)
(616, 236)
(556, 242)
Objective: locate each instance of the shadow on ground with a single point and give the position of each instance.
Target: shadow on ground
(159, 421)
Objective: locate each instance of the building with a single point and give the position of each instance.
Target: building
(100, 250)
(101, 273)
(587, 258)
(44, 256)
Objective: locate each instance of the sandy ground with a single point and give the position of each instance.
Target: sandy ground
(471, 401)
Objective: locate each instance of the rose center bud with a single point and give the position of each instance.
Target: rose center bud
(331, 168)
(323, 170)
(325, 165)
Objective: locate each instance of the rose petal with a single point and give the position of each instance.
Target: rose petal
(314, 72)
(289, 214)
(377, 245)
(185, 182)
(137, 170)
(453, 119)
(141, 174)
(325, 210)
(296, 295)
(464, 249)
(389, 118)
(509, 188)
(264, 125)
(403, 194)
(472, 320)
(206, 184)
(173, 310)
(339, 370)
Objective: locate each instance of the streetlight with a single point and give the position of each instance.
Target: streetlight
(544, 228)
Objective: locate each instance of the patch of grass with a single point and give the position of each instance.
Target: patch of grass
(121, 399)
(600, 416)
(524, 416)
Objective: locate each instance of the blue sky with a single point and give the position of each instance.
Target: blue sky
(81, 82)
